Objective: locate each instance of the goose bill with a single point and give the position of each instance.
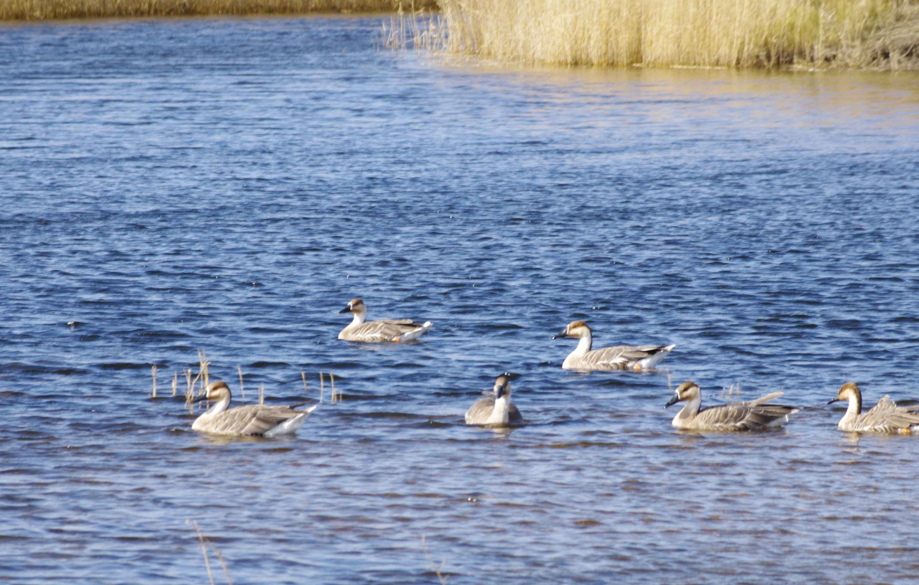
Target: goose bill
(834, 400)
(345, 310)
(673, 401)
(561, 335)
(201, 398)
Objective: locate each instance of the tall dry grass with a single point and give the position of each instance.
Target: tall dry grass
(707, 33)
(60, 9)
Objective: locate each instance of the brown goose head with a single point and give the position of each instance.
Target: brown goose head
(576, 329)
(686, 391)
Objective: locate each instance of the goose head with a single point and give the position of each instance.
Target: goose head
(685, 391)
(215, 392)
(576, 329)
(849, 391)
(356, 306)
(503, 387)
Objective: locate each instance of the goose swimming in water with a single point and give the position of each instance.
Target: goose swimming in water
(885, 417)
(620, 357)
(255, 419)
(739, 416)
(394, 330)
(495, 409)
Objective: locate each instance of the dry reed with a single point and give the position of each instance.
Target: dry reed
(693, 33)
(189, 389)
(203, 365)
(207, 543)
(154, 381)
(242, 390)
(261, 395)
(175, 382)
(61, 9)
(433, 567)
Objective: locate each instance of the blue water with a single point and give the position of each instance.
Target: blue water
(228, 185)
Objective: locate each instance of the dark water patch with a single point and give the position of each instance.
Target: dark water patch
(117, 366)
(264, 364)
(388, 415)
(578, 444)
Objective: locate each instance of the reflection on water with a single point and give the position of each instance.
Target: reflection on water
(176, 185)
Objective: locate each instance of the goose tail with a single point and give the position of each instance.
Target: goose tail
(416, 333)
(291, 426)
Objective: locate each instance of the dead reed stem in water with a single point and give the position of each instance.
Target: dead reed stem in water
(693, 33)
(56, 9)
(261, 395)
(223, 564)
(416, 29)
(332, 379)
(189, 390)
(432, 566)
(175, 383)
(242, 390)
(207, 562)
(203, 364)
(154, 381)
(204, 541)
(305, 390)
(321, 386)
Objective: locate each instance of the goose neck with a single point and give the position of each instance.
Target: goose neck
(358, 319)
(855, 405)
(217, 408)
(500, 415)
(584, 345)
(690, 410)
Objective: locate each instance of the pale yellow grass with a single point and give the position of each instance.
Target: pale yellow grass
(700, 33)
(59, 9)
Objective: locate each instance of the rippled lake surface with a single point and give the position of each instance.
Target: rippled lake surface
(228, 185)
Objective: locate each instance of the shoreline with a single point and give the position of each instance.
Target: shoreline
(32, 11)
(526, 32)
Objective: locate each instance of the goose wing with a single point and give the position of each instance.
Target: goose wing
(764, 399)
(381, 330)
(479, 412)
(742, 416)
(400, 322)
(886, 416)
(621, 357)
(513, 416)
(255, 419)
(726, 417)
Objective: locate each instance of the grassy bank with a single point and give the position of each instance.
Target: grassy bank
(707, 33)
(57, 9)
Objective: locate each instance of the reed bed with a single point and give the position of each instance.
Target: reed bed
(62, 9)
(196, 383)
(688, 33)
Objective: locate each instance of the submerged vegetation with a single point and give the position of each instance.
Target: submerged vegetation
(59, 9)
(694, 33)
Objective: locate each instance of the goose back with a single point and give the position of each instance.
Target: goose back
(479, 413)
